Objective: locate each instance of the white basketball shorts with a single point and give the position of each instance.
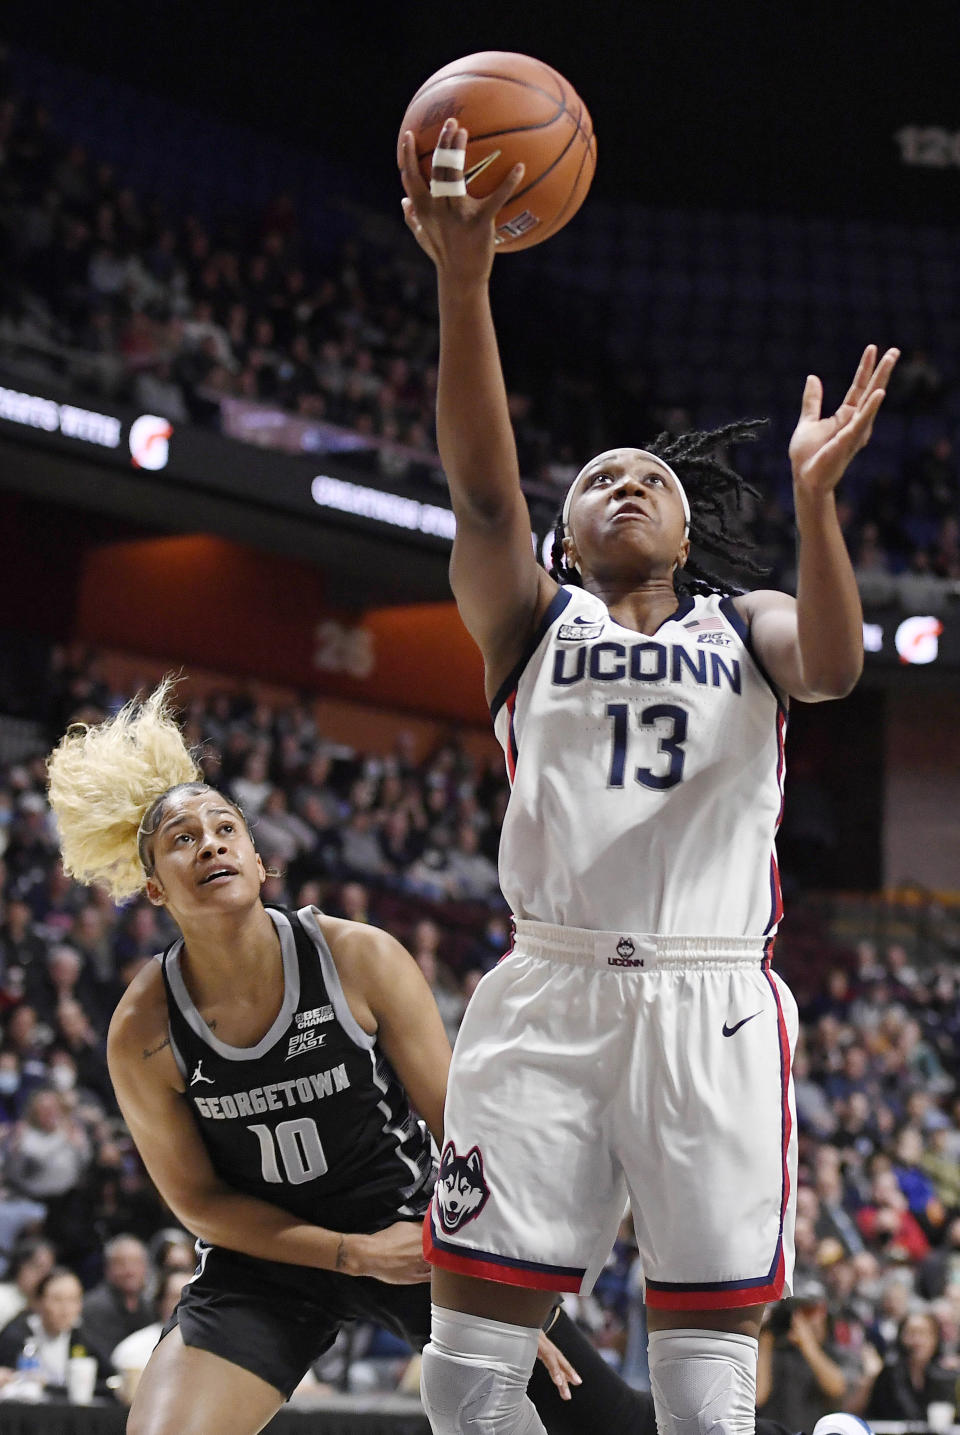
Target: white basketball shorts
(593, 1065)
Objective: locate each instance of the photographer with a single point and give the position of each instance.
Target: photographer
(797, 1378)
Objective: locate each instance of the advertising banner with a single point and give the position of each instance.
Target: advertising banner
(188, 457)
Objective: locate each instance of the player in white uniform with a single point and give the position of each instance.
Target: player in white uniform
(635, 1039)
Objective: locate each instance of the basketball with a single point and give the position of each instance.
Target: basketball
(513, 108)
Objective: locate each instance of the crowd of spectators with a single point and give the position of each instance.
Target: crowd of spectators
(176, 315)
(409, 843)
(874, 1323)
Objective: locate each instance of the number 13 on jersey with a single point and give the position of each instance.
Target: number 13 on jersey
(670, 725)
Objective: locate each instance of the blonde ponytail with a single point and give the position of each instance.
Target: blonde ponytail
(103, 781)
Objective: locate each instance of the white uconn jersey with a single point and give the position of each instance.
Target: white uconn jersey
(647, 774)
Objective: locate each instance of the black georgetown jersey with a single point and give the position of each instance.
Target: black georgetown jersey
(312, 1118)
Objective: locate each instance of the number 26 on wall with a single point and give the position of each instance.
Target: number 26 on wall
(341, 649)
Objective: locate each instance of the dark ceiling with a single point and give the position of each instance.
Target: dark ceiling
(744, 105)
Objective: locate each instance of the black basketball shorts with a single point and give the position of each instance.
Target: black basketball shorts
(276, 1321)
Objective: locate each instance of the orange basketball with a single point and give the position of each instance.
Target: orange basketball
(513, 108)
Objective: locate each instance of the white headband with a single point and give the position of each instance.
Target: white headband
(644, 453)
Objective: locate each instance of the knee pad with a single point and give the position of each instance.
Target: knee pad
(474, 1373)
(704, 1382)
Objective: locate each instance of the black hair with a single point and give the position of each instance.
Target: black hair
(24, 1252)
(931, 1317)
(57, 1273)
(715, 493)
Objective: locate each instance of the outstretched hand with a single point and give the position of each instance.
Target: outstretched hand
(560, 1370)
(821, 448)
(457, 232)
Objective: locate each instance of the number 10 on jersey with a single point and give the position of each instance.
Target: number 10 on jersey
(670, 725)
(297, 1143)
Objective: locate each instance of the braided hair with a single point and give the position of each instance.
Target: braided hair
(715, 492)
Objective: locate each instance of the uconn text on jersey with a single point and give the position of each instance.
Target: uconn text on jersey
(644, 662)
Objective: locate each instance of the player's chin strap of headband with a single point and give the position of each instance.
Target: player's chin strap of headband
(644, 453)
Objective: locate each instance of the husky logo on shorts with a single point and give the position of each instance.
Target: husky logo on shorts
(461, 1190)
(625, 957)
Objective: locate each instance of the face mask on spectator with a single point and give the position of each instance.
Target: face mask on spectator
(9, 1081)
(62, 1078)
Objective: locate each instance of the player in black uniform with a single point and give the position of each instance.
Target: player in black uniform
(309, 1116)
(259, 1066)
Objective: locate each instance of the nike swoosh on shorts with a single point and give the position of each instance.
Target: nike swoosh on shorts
(731, 1030)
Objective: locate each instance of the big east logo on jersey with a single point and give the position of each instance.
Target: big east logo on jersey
(461, 1190)
(304, 1041)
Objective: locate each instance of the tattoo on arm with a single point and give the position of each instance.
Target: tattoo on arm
(149, 1051)
(341, 1259)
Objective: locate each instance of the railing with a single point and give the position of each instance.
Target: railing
(925, 923)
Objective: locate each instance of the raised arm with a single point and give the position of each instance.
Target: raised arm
(812, 646)
(148, 1088)
(500, 589)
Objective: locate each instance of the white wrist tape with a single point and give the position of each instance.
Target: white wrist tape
(450, 158)
(440, 188)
